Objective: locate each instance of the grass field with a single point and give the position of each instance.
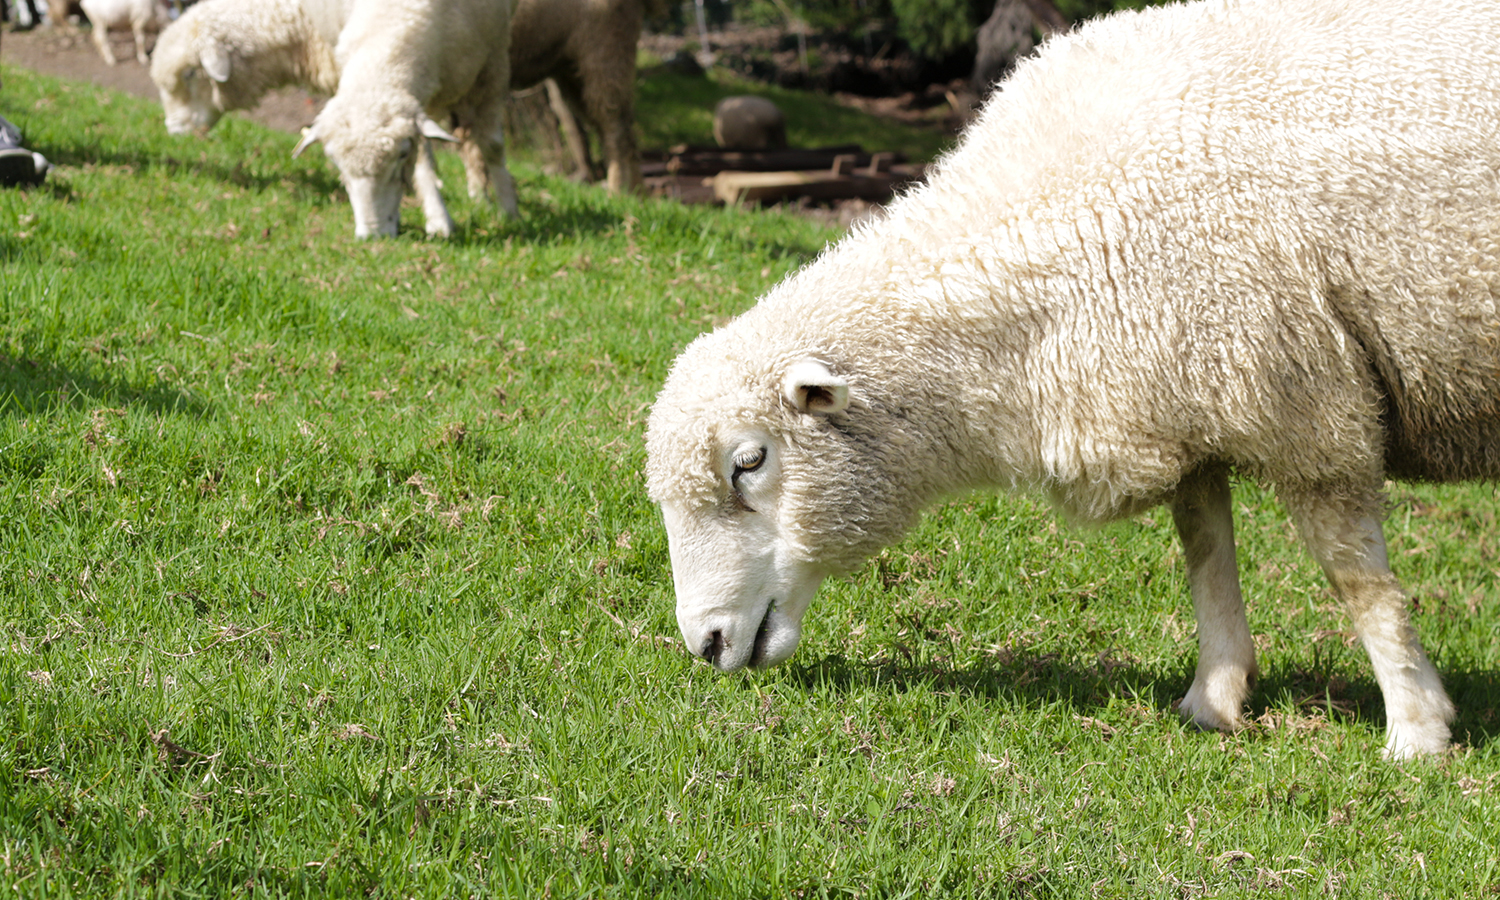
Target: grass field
(328, 571)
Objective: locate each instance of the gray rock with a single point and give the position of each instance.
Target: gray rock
(749, 123)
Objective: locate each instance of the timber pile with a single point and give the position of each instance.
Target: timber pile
(713, 175)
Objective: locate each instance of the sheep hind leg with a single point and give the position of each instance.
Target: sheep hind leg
(567, 120)
(1344, 534)
(138, 31)
(428, 186)
(484, 165)
(1226, 655)
(101, 40)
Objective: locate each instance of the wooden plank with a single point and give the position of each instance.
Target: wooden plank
(710, 161)
(743, 187)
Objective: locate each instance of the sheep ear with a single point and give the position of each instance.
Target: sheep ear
(812, 388)
(435, 131)
(309, 137)
(215, 61)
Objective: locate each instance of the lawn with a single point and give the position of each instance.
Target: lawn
(329, 572)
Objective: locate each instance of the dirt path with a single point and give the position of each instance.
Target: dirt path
(66, 52)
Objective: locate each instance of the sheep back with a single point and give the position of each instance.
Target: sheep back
(1260, 233)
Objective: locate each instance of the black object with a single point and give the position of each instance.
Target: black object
(17, 164)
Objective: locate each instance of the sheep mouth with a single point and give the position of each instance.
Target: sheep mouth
(762, 635)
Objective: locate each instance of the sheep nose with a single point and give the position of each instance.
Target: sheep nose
(713, 647)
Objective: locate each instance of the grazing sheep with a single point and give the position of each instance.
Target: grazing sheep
(222, 55)
(1215, 237)
(139, 16)
(587, 47)
(406, 65)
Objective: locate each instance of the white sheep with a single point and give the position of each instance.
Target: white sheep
(222, 55)
(140, 16)
(404, 66)
(1215, 237)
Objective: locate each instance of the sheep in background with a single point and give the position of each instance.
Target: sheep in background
(60, 11)
(222, 55)
(405, 66)
(586, 51)
(749, 123)
(1214, 237)
(140, 16)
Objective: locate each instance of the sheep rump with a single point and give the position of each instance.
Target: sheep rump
(1253, 237)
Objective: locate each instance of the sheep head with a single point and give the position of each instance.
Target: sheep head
(189, 69)
(771, 474)
(374, 145)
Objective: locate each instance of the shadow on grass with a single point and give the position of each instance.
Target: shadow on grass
(321, 181)
(29, 385)
(52, 186)
(1045, 679)
(1477, 696)
(542, 222)
(1023, 676)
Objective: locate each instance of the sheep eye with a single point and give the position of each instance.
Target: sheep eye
(748, 460)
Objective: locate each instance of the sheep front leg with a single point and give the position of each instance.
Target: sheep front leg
(608, 95)
(429, 190)
(1226, 655)
(624, 169)
(1344, 534)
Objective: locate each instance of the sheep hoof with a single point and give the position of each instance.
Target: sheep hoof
(1211, 710)
(1408, 740)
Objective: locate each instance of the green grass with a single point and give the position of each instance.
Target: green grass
(328, 571)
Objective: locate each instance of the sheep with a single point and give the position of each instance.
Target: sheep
(59, 12)
(1218, 237)
(404, 66)
(137, 15)
(222, 55)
